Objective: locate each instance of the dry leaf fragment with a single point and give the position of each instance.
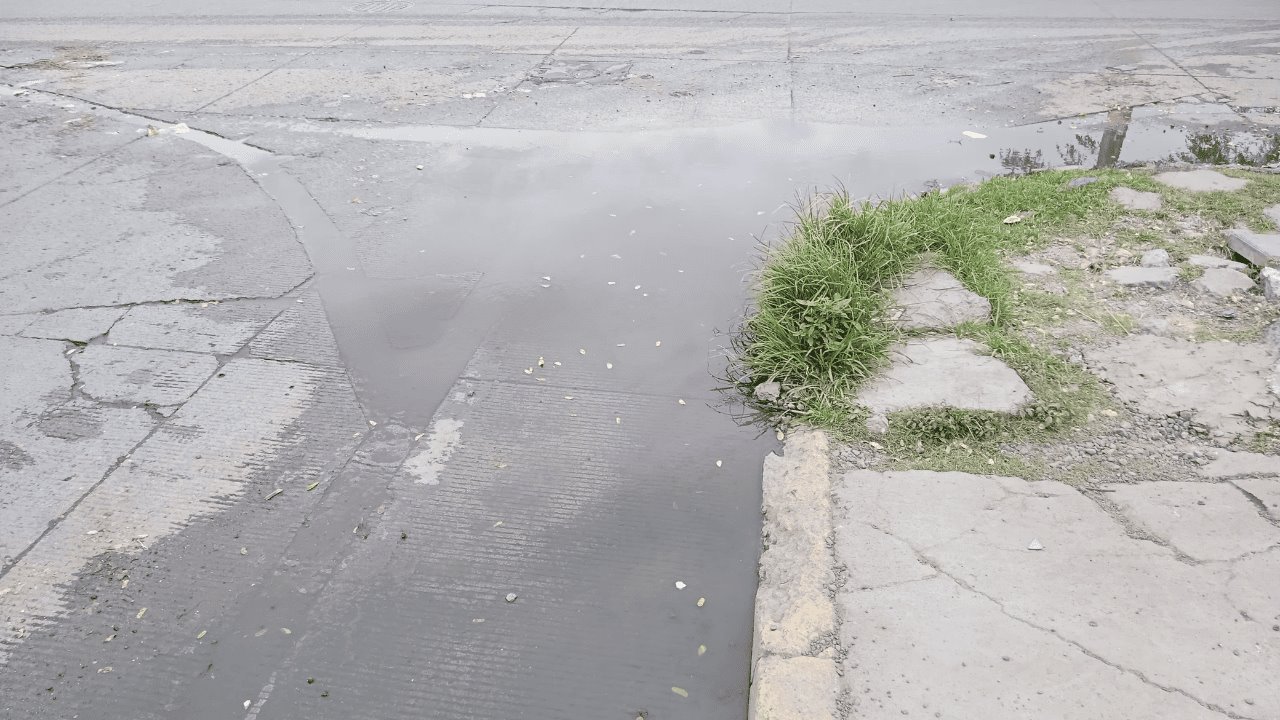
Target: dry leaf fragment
(274, 493)
(680, 691)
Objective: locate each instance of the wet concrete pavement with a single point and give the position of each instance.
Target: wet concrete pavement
(591, 190)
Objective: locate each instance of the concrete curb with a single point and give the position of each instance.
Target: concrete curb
(793, 661)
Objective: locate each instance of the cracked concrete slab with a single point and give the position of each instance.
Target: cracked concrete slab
(1206, 521)
(147, 377)
(75, 324)
(219, 328)
(1264, 492)
(932, 299)
(1164, 376)
(1001, 625)
(1231, 464)
(944, 372)
(1136, 199)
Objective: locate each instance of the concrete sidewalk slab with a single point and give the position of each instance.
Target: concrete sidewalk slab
(1105, 620)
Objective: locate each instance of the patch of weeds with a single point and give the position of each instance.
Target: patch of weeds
(819, 324)
(1266, 441)
(960, 457)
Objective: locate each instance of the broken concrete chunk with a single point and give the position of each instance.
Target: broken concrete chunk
(1207, 521)
(768, 391)
(1136, 199)
(1156, 258)
(1258, 248)
(1030, 268)
(945, 372)
(1201, 181)
(1273, 213)
(1213, 261)
(1155, 277)
(1222, 282)
(931, 299)
(1270, 278)
(1165, 377)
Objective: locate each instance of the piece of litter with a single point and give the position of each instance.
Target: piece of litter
(286, 631)
(498, 524)
(617, 421)
(274, 493)
(419, 167)
(109, 638)
(1035, 545)
(608, 366)
(141, 612)
(541, 362)
(681, 401)
(781, 436)
(124, 583)
(261, 632)
(313, 486)
(636, 287)
(702, 650)
(1012, 219)
(680, 585)
(244, 551)
(511, 597)
(972, 134)
(680, 691)
(582, 351)
(528, 371)
(556, 363)
(568, 397)
(201, 634)
(372, 423)
(702, 601)
(180, 129)
(622, 344)
(657, 343)
(547, 278)
(719, 463)
(246, 704)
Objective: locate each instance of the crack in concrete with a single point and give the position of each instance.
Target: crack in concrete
(1133, 529)
(921, 557)
(1257, 503)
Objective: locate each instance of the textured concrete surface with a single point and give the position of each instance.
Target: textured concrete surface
(944, 372)
(793, 665)
(931, 299)
(1212, 261)
(949, 610)
(1163, 376)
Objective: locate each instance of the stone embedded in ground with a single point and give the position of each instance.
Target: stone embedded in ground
(1155, 277)
(1206, 521)
(1213, 261)
(768, 391)
(1156, 258)
(1270, 278)
(877, 424)
(1273, 213)
(1081, 182)
(1271, 336)
(1201, 181)
(135, 375)
(945, 372)
(1258, 248)
(932, 299)
(1223, 282)
(1221, 384)
(1136, 199)
(1030, 268)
